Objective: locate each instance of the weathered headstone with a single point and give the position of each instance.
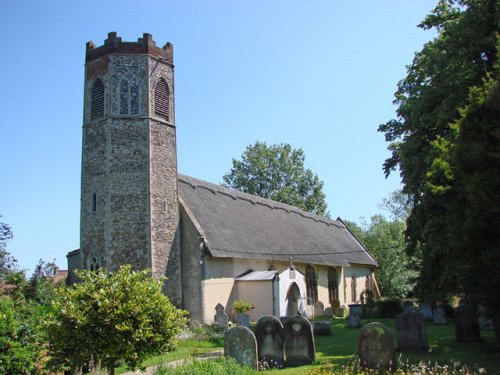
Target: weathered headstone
(319, 309)
(220, 318)
(243, 320)
(240, 344)
(270, 347)
(328, 312)
(439, 315)
(299, 341)
(466, 324)
(485, 321)
(426, 311)
(411, 334)
(321, 329)
(354, 318)
(376, 347)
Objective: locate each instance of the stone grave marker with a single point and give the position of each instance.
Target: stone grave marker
(439, 315)
(240, 344)
(328, 312)
(354, 318)
(319, 309)
(243, 320)
(220, 318)
(321, 329)
(270, 347)
(466, 324)
(426, 310)
(411, 334)
(299, 341)
(485, 321)
(376, 347)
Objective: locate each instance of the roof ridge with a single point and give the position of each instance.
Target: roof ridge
(254, 199)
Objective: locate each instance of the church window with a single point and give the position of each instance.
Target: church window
(333, 286)
(94, 202)
(129, 96)
(94, 263)
(311, 285)
(97, 100)
(353, 289)
(162, 98)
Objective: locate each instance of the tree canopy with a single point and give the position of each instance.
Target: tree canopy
(111, 316)
(277, 172)
(445, 143)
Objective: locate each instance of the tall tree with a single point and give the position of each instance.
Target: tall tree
(7, 262)
(277, 172)
(436, 120)
(112, 316)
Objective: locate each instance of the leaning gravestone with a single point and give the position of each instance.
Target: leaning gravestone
(426, 311)
(466, 324)
(220, 318)
(411, 334)
(269, 334)
(439, 315)
(299, 341)
(354, 318)
(240, 344)
(376, 347)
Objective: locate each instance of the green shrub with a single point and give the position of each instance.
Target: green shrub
(213, 334)
(241, 306)
(219, 366)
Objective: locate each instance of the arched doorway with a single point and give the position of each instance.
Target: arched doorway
(292, 297)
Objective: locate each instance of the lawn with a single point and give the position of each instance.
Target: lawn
(341, 347)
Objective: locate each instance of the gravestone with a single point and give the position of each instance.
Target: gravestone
(466, 324)
(220, 317)
(426, 310)
(485, 321)
(354, 318)
(376, 347)
(321, 329)
(269, 335)
(439, 316)
(411, 334)
(240, 344)
(299, 341)
(243, 320)
(319, 309)
(328, 312)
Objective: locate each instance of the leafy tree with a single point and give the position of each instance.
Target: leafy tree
(7, 262)
(385, 240)
(112, 316)
(446, 114)
(277, 172)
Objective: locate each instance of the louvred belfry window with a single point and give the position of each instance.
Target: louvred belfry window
(162, 98)
(97, 101)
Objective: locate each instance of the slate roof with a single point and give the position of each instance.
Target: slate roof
(240, 225)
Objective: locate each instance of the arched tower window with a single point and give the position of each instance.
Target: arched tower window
(311, 285)
(129, 96)
(94, 263)
(97, 100)
(162, 95)
(333, 285)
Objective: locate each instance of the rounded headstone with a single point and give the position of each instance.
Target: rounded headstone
(411, 333)
(269, 335)
(299, 341)
(376, 347)
(240, 344)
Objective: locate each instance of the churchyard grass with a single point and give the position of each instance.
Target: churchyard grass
(340, 349)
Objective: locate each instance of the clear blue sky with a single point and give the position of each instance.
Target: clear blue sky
(318, 74)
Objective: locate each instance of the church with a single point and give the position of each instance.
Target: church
(214, 244)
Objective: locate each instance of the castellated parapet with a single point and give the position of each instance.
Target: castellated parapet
(129, 203)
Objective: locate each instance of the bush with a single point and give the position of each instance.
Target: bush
(213, 334)
(241, 306)
(219, 366)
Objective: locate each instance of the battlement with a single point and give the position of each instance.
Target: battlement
(144, 45)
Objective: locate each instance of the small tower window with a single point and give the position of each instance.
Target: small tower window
(97, 100)
(162, 98)
(129, 96)
(311, 285)
(94, 202)
(94, 263)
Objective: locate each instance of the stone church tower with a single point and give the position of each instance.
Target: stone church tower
(129, 204)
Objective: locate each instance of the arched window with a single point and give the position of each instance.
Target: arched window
(94, 202)
(333, 285)
(129, 96)
(94, 263)
(311, 285)
(97, 100)
(354, 293)
(162, 96)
